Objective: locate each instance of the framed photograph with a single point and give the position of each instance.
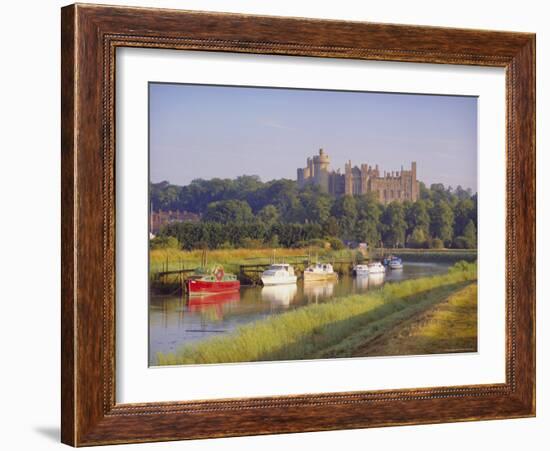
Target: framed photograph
(279, 225)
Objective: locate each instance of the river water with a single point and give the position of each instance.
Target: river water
(175, 320)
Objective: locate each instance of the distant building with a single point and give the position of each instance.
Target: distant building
(396, 185)
(161, 218)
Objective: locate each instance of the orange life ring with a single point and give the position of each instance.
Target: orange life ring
(219, 273)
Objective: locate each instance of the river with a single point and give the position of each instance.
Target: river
(175, 321)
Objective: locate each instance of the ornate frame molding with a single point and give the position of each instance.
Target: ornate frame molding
(90, 36)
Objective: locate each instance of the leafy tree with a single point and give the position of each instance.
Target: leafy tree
(367, 231)
(247, 211)
(345, 211)
(417, 216)
(418, 238)
(368, 226)
(463, 213)
(463, 194)
(268, 214)
(441, 221)
(331, 227)
(164, 196)
(228, 211)
(470, 235)
(315, 205)
(394, 225)
(425, 193)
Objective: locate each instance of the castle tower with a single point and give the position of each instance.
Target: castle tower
(348, 179)
(321, 165)
(364, 178)
(415, 189)
(324, 160)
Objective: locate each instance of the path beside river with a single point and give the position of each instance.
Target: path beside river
(448, 327)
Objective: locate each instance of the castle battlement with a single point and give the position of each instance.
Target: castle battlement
(354, 181)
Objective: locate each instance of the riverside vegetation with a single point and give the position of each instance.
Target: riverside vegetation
(248, 213)
(342, 326)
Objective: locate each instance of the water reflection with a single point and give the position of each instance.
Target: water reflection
(362, 281)
(279, 295)
(213, 305)
(375, 280)
(316, 290)
(176, 320)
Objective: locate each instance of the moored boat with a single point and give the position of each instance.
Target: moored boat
(395, 263)
(376, 268)
(361, 270)
(320, 271)
(279, 274)
(215, 282)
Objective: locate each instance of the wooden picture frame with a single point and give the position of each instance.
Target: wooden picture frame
(90, 36)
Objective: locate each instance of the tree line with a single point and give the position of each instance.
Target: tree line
(246, 212)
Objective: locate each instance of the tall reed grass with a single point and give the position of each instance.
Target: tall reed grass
(176, 259)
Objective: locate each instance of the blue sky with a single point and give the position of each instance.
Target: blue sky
(199, 131)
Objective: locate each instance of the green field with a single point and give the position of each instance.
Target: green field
(450, 326)
(332, 329)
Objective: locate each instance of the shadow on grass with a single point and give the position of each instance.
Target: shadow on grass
(343, 338)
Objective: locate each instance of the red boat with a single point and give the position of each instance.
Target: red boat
(216, 282)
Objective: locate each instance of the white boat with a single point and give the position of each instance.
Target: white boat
(279, 274)
(396, 263)
(376, 268)
(320, 271)
(361, 270)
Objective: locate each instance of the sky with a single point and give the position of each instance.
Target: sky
(203, 131)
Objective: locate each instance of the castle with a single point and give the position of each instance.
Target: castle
(392, 186)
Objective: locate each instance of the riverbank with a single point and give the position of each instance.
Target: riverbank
(321, 330)
(168, 266)
(448, 327)
(175, 259)
(435, 255)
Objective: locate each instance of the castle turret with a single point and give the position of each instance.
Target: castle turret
(348, 179)
(415, 189)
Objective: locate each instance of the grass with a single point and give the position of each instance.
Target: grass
(451, 326)
(320, 330)
(175, 259)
